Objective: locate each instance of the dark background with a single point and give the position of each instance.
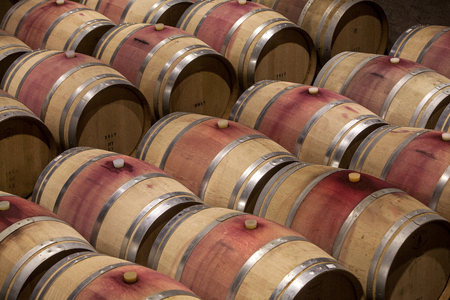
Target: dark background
(4, 6)
(403, 14)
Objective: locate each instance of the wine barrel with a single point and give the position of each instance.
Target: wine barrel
(32, 240)
(396, 246)
(259, 42)
(315, 125)
(83, 101)
(26, 145)
(426, 44)
(97, 276)
(174, 70)
(45, 24)
(223, 164)
(222, 254)
(337, 26)
(11, 48)
(413, 159)
(167, 12)
(402, 92)
(120, 208)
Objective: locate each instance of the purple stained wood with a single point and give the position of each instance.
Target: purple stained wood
(131, 55)
(21, 209)
(218, 257)
(89, 191)
(326, 207)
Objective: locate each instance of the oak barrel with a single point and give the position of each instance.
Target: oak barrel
(174, 70)
(396, 246)
(223, 166)
(11, 48)
(259, 42)
(119, 209)
(167, 12)
(94, 276)
(83, 101)
(428, 45)
(315, 125)
(26, 147)
(32, 240)
(413, 159)
(401, 91)
(44, 24)
(337, 26)
(222, 254)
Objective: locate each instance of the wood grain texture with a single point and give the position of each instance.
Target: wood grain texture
(26, 144)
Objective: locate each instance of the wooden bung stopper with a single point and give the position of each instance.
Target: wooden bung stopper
(313, 90)
(60, 2)
(354, 177)
(118, 163)
(251, 224)
(395, 60)
(159, 26)
(242, 2)
(70, 54)
(130, 277)
(446, 136)
(222, 123)
(4, 205)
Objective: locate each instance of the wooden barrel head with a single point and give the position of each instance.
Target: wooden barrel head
(421, 265)
(205, 86)
(362, 27)
(286, 56)
(114, 120)
(26, 144)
